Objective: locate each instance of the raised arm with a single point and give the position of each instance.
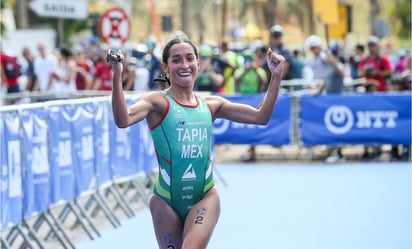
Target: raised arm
(124, 115)
(245, 113)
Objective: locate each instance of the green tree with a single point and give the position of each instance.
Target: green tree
(401, 19)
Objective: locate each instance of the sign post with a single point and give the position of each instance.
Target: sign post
(115, 27)
(74, 9)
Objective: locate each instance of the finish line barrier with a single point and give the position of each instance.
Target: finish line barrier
(54, 153)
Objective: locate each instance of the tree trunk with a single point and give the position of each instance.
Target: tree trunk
(184, 8)
(21, 14)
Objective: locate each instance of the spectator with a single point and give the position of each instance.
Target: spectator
(44, 65)
(10, 72)
(376, 68)
(327, 67)
(153, 64)
(355, 59)
(209, 78)
(277, 46)
(84, 69)
(296, 68)
(403, 83)
(251, 78)
(231, 58)
(129, 73)
(142, 76)
(29, 71)
(102, 77)
(62, 79)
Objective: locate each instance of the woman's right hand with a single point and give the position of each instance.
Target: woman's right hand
(115, 59)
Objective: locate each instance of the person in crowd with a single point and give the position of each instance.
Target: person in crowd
(10, 71)
(377, 69)
(129, 73)
(142, 76)
(44, 64)
(62, 79)
(277, 45)
(250, 78)
(153, 64)
(401, 63)
(102, 77)
(29, 70)
(327, 68)
(355, 59)
(402, 81)
(209, 78)
(232, 63)
(185, 205)
(93, 49)
(84, 69)
(296, 68)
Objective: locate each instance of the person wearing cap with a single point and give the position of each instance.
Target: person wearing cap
(153, 64)
(376, 67)
(328, 68)
(277, 45)
(250, 78)
(209, 78)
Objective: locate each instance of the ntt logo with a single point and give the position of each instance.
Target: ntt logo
(339, 119)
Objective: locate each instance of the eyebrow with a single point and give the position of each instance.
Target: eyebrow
(178, 55)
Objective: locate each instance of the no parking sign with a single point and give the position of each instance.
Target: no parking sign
(115, 27)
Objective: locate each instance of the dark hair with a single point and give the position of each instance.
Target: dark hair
(360, 47)
(65, 52)
(166, 50)
(166, 54)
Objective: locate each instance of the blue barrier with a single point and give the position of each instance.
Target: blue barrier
(36, 165)
(83, 147)
(276, 132)
(356, 119)
(11, 194)
(102, 143)
(62, 171)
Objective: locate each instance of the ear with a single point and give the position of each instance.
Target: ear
(164, 67)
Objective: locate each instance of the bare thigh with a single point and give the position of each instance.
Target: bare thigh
(167, 225)
(201, 221)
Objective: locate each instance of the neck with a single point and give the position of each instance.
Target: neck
(184, 95)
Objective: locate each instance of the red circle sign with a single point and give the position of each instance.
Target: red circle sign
(115, 26)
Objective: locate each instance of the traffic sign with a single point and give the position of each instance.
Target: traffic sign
(115, 27)
(74, 9)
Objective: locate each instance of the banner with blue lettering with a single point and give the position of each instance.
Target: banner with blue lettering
(82, 121)
(61, 154)
(102, 142)
(276, 132)
(124, 149)
(356, 119)
(11, 171)
(35, 161)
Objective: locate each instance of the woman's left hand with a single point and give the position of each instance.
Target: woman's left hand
(275, 62)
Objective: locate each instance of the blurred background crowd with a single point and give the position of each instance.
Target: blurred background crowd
(232, 59)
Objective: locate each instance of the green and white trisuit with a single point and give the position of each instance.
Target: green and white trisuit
(182, 140)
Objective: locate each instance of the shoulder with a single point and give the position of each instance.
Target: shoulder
(214, 101)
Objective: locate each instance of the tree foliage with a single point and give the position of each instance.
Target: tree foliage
(401, 18)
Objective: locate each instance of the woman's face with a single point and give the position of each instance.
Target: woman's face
(182, 65)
